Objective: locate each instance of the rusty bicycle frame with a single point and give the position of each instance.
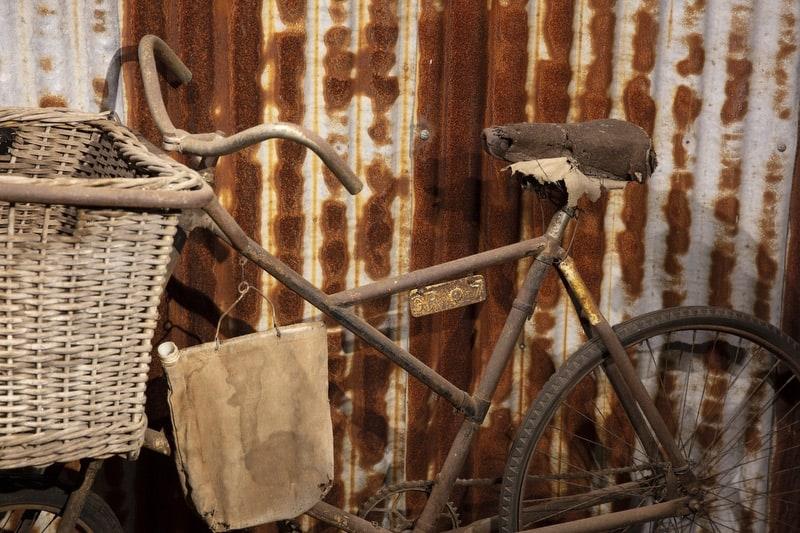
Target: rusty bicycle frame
(546, 250)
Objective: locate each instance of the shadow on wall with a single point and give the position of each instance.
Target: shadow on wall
(114, 75)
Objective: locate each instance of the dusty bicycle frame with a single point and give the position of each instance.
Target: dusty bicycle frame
(547, 251)
(656, 439)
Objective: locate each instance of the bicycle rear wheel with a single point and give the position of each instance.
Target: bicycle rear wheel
(728, 387)
(39, 509)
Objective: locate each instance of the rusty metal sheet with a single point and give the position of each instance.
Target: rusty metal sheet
(403, 91)
(60, 54)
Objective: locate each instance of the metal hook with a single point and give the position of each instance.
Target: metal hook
(242, 263)
(243, 289)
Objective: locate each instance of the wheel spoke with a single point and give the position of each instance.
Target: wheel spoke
(738, 466)
(736, 505)
(745, 427)
(605, 430)
(601, 497)
(28, 520)
(718, 389)
(700, 403)
(686, 381)
(730, 386)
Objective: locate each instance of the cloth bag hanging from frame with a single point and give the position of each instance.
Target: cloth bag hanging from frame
(252, 425)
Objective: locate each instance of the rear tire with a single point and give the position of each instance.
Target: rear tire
(40, 510)
(576, 437)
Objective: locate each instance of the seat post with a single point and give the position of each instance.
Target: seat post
(559, 222)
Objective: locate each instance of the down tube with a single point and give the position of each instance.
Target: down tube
(521, 309)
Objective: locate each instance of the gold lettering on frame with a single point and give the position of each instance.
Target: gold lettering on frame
(447, 295)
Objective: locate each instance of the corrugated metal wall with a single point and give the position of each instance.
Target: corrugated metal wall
(403, 89)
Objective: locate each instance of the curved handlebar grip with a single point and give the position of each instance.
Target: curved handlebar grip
(209, 144)
(281, 130)
(148, 46)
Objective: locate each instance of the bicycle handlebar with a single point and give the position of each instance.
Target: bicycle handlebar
(151, 46)
(213, 144)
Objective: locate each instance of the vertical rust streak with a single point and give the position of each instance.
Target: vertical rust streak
(787, 45)
(551, 103)
(141, 18)
(639, 109)
(553, 75)
(589, 241)
(190, 105)
(595, 103)
(431, 28)
(686, 108)
(334, 255)
(787, 451)
(726, 206)
(334, 258)
(766, 264)
(711, 409)
(695, 58)
(791, 291)
(500, 199)
(188, 308)
(451, 89)
(246, 102)
(371, 372)
(289, 67)
(736, 89)
(337, 82)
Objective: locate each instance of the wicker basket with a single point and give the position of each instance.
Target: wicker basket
(79, 288)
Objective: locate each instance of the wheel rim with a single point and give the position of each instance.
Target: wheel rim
(33, 518)
(733, 401)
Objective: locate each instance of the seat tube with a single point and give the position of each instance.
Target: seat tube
(521, 308)
(592, 313)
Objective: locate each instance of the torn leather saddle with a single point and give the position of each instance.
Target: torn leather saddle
(608, 149)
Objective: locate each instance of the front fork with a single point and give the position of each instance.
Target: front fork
(623, 377)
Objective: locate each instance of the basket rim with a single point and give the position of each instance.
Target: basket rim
(171, 174)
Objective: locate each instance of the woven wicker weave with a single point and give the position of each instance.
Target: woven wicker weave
(79, 288)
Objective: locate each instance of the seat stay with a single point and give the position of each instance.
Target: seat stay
(589, 309)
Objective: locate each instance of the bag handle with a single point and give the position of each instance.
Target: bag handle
(243, 289)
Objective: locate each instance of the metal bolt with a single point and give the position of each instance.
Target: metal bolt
(424, 135)
(781, 147)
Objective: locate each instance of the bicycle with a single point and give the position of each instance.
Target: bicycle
(614, 441)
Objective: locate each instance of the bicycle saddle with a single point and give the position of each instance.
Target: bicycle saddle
(607, 148)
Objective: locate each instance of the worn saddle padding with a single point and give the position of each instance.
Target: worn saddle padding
(607, 148)
(252, 425)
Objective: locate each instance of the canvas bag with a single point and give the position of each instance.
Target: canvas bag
(252, 425)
